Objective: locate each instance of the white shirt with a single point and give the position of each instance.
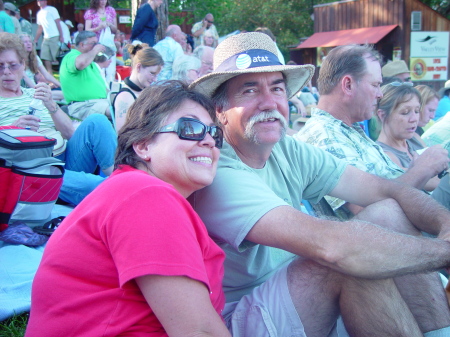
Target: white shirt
(65, 31)
(46, 18)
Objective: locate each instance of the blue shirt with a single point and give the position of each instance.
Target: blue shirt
(145, 25)
(442, 108)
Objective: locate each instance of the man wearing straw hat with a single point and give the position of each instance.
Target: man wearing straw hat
(288, 273)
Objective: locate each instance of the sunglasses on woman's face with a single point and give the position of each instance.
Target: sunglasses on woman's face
(192, 129)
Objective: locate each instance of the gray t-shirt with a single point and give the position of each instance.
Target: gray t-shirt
(240, 196)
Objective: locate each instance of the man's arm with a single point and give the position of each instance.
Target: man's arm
(38, 34)
(197, 31)
(85, 59)
(356, 248)
(363, 189)
(429, 164)
(58, 25)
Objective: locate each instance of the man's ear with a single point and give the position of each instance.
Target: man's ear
(221, 116)
(347, 84)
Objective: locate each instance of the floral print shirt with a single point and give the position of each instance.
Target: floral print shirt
(349, 143)
(91, 14)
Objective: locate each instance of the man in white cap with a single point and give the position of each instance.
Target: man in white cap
(397, 69)
(288, 273)
(65, 27)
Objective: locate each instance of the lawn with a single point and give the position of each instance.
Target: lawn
(14, 326)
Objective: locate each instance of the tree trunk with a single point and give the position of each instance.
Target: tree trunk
(162, 14)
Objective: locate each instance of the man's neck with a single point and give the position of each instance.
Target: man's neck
(335, 108)
(251, 154)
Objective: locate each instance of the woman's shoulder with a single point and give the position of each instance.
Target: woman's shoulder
(89, 14)
(110, 9)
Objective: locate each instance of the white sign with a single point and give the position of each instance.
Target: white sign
(429, 68)
(124, 19)
(429, 44)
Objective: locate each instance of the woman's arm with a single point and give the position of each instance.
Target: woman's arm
(28, 81)
(88, 26)
(113, 25)
(121, 104)
(182, 305)
(48, 76)
(62, 122)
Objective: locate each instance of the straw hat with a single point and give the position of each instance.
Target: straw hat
(394, 68)
(251, 53)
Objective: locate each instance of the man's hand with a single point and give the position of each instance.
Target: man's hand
(435, 158)
(98, 48)
(61, 39)
(205, 23)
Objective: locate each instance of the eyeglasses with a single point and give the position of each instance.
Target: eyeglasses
(211, 22)
(12, 67)
(105, 55)
(192, 129)
(398, 84)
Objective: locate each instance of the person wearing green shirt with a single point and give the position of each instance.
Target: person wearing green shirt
(82, 84)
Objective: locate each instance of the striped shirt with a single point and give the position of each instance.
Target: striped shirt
(11, 108)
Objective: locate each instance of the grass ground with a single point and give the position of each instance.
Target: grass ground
(14, 326)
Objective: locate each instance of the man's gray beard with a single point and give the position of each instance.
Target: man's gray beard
(250, 132)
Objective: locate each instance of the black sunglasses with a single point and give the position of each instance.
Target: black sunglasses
(192, 129)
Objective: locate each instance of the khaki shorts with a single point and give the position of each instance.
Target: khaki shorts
(268, 311)
(50, 49)
(81, 110)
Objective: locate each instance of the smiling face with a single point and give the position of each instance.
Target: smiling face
(257, 109)
(402, 122)
(11, 76)
(187, 165)
(146, 75)
(428, 111)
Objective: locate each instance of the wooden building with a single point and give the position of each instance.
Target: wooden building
(385, 23)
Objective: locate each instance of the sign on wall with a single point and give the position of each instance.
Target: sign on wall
(124, 19)
(429, 56)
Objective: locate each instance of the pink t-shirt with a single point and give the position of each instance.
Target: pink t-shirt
(91, 14)
(132, 225)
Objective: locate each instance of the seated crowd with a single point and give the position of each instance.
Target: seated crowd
(195, 224)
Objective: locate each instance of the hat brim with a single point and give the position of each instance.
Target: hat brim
(297, 76)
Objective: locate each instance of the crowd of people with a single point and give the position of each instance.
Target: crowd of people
(190, 191)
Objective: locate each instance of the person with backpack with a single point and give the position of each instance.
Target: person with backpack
(87, 147)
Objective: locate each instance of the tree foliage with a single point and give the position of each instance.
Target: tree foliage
(288, 20)
(440, 6)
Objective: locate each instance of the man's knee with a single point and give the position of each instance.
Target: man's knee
(388, 214)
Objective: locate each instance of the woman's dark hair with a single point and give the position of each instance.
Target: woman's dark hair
(95, 3)
(149, 113)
